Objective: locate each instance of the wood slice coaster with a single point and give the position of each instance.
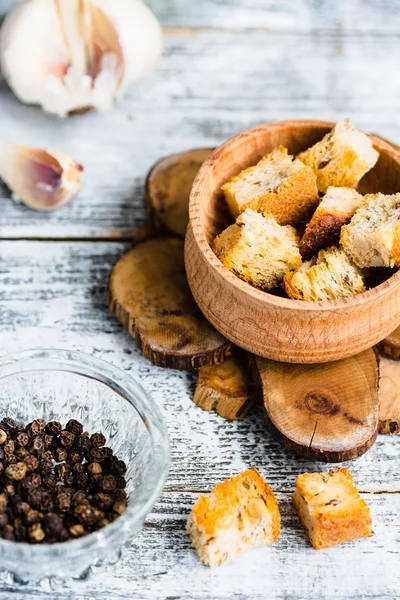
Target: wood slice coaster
(168, 186)
(227, 388)
(389, 396)
(390, 346)
(149, 294)
(326, 412)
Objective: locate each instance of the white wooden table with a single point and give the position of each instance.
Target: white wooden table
(228, 65)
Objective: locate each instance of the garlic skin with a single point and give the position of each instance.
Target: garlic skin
(42, 179)
(70, 55)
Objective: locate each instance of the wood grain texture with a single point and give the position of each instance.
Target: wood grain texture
(227, 388)
(149, 294)
(323, 412)
(262, 323)
(390, 346)
(194, 99)
(167, 189)
(389, 396)
(328, 16)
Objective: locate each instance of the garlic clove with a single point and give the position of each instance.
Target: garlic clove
(41, 179)
(68, 55)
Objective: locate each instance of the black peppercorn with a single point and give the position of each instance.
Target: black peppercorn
(78, 468)
(22, 438)
(63, 501)
(45, 466)
(41, 499)
(21, 453)
(67, 439)
(52, 524)
(120, 481)
(98, 454)
(16, 471)
(3, 436)
(3, 502)
(37, 445)
(94, 482)
(120, 495)
(74, 457)
(69, 479)
(32, 517)
(11, 459)
(49, 481)
(9, 489)
(9, 446)
(36, 427)
(104, 501)
(60, 454)
(76, 531)
(108, 483)
(3, 519)
(7, 533)
(87, 515)
(36, 533)
(31, 462)
(81, 480)
(94, 468)
(97, 440)
(120, 507)
(79, 497)
(35, 480)
(48, 440)
(53, 428)
(83, 445)
(8, 424)
(22, 508)
(74, 427)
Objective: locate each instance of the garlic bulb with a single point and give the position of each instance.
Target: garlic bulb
(42, 179)
(70, 55)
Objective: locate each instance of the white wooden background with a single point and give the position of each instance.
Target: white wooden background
(228, 65)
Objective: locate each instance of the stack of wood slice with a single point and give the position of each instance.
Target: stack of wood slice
(330, 412)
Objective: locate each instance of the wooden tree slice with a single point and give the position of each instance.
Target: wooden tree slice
(226, 388)
(326, 412)
(390, 346)
(149, 294)
(389, 396)
(168, 186)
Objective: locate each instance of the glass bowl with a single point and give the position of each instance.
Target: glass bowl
(59, 385)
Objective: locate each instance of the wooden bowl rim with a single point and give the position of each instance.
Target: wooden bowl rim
(246, 288)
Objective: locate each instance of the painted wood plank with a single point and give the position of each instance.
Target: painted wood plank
(54, 294)
(161, 564)
(352, 16)
(209, 86)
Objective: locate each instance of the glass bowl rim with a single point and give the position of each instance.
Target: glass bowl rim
(126, 386)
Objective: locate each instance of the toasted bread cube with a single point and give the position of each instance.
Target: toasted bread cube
(258, 250)
(372, 238)
(330, 508)
(342, 157)
(335, 210)
(330, 276)
(277, 185)
(241, 513)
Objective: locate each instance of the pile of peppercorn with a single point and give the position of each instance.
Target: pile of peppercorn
(57, 484)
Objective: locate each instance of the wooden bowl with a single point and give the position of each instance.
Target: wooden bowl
(267, 325)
